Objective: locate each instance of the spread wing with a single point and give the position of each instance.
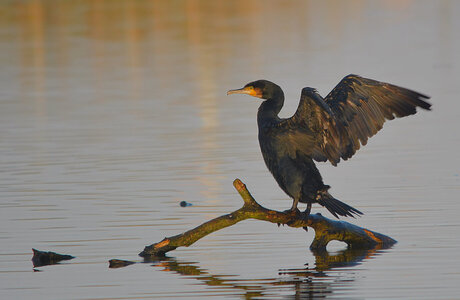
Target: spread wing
(353, 111)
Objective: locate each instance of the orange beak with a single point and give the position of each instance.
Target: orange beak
(249, 90)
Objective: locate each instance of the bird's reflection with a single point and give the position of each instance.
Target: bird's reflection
(307, 282)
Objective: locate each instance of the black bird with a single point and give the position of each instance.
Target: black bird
(331, 129)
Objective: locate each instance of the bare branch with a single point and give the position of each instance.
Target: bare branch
(325, 229)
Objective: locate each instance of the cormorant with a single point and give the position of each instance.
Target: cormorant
(331, 129)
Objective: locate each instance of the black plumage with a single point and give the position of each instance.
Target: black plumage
(331, 129)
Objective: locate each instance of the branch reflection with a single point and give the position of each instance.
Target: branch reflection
(319, 281)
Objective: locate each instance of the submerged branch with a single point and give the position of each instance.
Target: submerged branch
(325, 229)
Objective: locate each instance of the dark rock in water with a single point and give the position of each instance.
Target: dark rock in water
(185, 204)
(118, 263)
(43, 258)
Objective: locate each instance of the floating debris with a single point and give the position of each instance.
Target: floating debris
(119, 263)
(43, 258)
(185, 204)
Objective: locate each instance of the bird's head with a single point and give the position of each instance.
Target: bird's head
(263, 89)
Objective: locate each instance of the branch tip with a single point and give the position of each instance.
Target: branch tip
(372, 236)
(239, 185)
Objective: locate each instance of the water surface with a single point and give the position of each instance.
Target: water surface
(112, 112)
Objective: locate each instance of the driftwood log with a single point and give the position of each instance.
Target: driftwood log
(45, 258)
(326, 229)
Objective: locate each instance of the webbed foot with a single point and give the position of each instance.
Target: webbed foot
(294, 214)
(305, 216)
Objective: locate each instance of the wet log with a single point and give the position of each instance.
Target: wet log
(119, 263)
(325, 229)
(45, 258)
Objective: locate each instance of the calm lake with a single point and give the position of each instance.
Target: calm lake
(113, 112)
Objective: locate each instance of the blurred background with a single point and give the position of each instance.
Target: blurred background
(112, 112)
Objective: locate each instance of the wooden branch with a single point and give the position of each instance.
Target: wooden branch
(325, 229)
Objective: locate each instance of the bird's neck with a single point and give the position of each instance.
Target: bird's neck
(269, 109)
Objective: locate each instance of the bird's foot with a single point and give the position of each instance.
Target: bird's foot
(305, 216)
(292, 212)
(294, 215)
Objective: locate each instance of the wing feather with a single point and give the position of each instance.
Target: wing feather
(351, 113)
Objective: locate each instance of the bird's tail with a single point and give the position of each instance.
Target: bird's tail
(337, 207)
